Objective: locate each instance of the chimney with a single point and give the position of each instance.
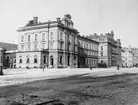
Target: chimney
(35, 21)
(58, 19)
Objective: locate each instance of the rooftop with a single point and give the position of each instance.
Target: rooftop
(8, 46)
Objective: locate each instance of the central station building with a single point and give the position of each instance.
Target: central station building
(51, 43)
(57, 43)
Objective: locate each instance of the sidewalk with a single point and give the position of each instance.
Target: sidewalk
(18, 76)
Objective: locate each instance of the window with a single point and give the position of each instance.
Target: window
(60, 59)
(60, 46)
(22, 38)
(35, 59)
(29, 47)
(43, 45)
(20, 61)
(14, 60)
(101, 53)
(22, 47)
(29, 38)
(75, 40)
(28, 60)
(43, 36)
(101, 47)
(51, 60)
(51, 45)
(51, 36)
(35, 46)
(35, 37)
(44, 59)
(61, 35)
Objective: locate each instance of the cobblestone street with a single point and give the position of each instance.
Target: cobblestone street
(97, 87)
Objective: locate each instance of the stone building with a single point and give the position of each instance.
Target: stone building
(135, 56)
(87, 52)
(109, 49)
(9, 54)
(127, 57)
(49, 44)
(123, 58)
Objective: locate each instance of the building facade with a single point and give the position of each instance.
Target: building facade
(48, 44)
(135, 56)
(109, 49)
(9, 54)
(87, 52)
(127, 57)
(10, 59)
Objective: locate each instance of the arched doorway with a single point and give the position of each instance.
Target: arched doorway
(51, 60)
(44, 59)
(68, 60)
(60, 59)
(102, 62)
(35, 59)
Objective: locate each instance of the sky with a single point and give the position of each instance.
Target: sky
(89, 16)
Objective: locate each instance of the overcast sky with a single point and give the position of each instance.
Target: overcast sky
(89, 16)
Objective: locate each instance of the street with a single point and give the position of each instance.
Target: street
(70, 87)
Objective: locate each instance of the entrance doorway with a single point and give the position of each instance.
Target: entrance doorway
(51, 60)
(68, 60)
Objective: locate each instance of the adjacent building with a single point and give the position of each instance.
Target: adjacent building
(127, 57)
(8, 54)
(87, 52)
(109, 49)
(135, 56)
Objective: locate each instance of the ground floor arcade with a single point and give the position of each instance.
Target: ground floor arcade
(46, 59)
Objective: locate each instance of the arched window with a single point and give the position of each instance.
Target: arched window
(68, 60)
(44, 59)
(60, 59)
(101, 61)
(28, 60)
(14, 60)
(35, 59)
(51, 60)
(20, 59)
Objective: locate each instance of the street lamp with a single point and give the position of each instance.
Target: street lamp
(1, 61)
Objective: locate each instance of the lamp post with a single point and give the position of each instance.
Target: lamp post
(1, 61)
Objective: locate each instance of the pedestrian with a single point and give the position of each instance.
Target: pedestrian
(90, 67)
(117, 67)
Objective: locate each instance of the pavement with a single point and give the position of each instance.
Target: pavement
(101, 86)
(19, 76)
